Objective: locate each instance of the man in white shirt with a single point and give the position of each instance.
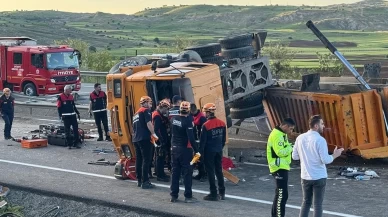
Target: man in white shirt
(311, 149)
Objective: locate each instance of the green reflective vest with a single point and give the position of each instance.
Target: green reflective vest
(278, 151)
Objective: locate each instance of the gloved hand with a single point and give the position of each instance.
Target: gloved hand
(195, 159)
(154, 136)
(79, 116)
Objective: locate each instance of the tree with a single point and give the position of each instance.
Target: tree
(179, 44)
(280, 60)
(156, 40)
(98, 61)
(330, 65)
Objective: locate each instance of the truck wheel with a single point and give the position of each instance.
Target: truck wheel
(247, 112)
(237, 41)
(206, 50)
(132, 61)
(193, 56)
(30, 90)
(214, 59)
(252, 100)
(229, 122)
(238, 52)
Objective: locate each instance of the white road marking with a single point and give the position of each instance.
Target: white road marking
(166, 186)
(248, 140)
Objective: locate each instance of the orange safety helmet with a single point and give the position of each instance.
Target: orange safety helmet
(145, 99)
(209, 107)
(164, 103)
(184, 107)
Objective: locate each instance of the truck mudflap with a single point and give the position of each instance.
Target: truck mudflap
(353, 121)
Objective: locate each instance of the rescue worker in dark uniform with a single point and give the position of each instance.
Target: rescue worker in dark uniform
(7, 103)
(182, 145)
(67, 112)
(174, 111)
(143, 131)
(97, 105)
(199, 120)
(160, 128)
(213, 138)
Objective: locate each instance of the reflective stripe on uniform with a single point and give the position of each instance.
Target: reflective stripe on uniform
(68, 114)
(99, 110)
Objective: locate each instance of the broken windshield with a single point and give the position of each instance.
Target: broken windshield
(62, 60)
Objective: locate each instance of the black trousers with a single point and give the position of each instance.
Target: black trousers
(201, 167)
(143, 160)
(180, 159)
(281, 193)
(71, 120)
(160, 157)
(101, 117)
(8, 119)
(213, 164)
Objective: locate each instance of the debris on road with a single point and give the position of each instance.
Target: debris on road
(357, 174)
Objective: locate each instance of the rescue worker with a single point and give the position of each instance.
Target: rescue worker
(97, 108)
(7, 103)
(142, 132)
(67, 112)
(199, 120)
(160, 128)
(174, 111)
(279, 151)
(182, 143)
(213, 138)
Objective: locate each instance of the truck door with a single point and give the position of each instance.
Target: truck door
(15, 67)
(36, 66)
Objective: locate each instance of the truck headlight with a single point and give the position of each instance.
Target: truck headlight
(52, 80)
(77, 78)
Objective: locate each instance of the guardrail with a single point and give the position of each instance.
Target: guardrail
(93, 73)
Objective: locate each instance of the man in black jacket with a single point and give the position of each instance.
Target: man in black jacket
(7, 103)
(67, 113)
(213, 138)
(182, 145)
(98, 101)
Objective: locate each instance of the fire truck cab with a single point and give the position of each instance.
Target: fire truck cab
(36, 69)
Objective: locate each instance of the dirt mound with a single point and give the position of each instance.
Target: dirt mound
(317, 43)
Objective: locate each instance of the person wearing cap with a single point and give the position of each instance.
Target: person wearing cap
(160, 128)
(143, 131)
(97, 107)
(213, 139)
(182, 146)
(7, 103)
(67, 112)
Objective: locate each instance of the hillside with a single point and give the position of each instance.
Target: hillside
(202, 23)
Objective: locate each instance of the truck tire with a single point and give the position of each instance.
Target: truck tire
(206, 50)
(132, 61)
(237, 41)
(247, 112)
(250, 101)
(238, 52)
(229, 121)
(193, 56)
(29, 90)
(214, 59)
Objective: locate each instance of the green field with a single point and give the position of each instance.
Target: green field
(126, 35)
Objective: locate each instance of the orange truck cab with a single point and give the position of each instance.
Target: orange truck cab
(34, 69)
(198, 83)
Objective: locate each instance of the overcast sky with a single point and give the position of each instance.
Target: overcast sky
(124, 6)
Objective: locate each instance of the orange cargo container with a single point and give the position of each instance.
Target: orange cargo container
(353, 121)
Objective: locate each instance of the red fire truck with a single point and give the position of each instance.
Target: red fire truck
(36, 69)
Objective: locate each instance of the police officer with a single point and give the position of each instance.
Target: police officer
(142, 132)
(182, 143)
(279, 159)
(67, 113)
(213, 138)
(7, 103)
(98, 107)
(199, 120)
(160, 128)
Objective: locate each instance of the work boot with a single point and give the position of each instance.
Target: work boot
(147, 185)
(190, 200)
(69, 147)
(197, 177)
(211, 197)
(173, 199)
(108, 138)
(163, 179)
(138, 184)
(100, 139)
(222, 195)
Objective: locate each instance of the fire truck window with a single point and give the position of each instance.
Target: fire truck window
(37, 60)
(17, 58)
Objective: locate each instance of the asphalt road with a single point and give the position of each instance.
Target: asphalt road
(67, 172)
